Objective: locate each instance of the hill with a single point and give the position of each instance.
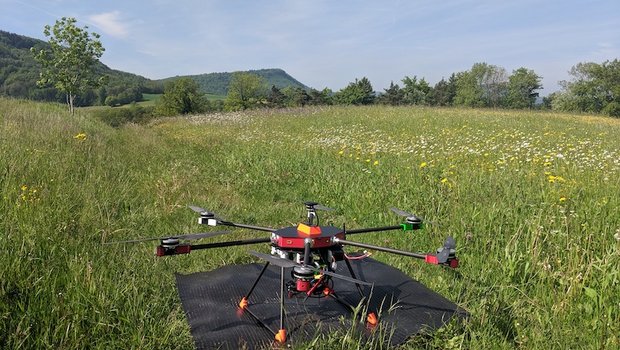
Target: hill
(19, 73)
(217, 83)
(531, 199)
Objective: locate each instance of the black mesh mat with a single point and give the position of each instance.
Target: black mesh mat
(210, 300)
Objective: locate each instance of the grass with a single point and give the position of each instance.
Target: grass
(149, 100)
(531, 198)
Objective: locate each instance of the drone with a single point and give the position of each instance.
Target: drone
(311, 250)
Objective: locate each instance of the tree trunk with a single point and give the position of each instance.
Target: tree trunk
(71, 99)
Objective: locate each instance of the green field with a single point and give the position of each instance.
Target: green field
(531, 198)
(149, 99)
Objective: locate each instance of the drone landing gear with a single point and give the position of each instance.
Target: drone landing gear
(280, 335)
(371, 318)
(319, 287)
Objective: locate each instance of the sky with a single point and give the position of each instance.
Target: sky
(331, 43)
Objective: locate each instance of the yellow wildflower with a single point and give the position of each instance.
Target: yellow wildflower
(341, 152)
(81, 136)
(562, 199)
(423, 164)
(376, 162)
(24, 187)
(444, 180)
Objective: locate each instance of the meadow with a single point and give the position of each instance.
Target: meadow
(531, 198)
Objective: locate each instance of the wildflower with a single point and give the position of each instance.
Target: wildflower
(376, 162)
(552, 179)
(341, 152)
(24, 187)
(444, 180)
(423, 164)
(81, 136)
(562, 199)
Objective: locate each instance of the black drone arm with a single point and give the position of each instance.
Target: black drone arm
(230, 243)
(429, 258)
(251, 227)
(374, 229)
(163, 250)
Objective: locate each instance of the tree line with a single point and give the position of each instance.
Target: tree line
(70, 67)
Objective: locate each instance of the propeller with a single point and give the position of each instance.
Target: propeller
(409, 216)
(288, 263)
(443, 253)
(315, 205)
(187, 237)
(346, 278)
(202, 211)
(449, 243)
(274, 259)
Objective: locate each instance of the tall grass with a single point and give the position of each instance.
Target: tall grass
(532, 200)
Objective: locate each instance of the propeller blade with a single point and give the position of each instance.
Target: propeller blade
(322, 207)
(409, 215)
(315, 205)
(443, 255)
(401, 212)
(187, 237)
(193, 236)
(346, 278)
(198, 210)
(204, 212)
(450, 243)
(137, 240)
(274, 259)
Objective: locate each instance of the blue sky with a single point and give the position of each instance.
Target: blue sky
(330, 43)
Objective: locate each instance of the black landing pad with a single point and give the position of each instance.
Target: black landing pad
(210, 301)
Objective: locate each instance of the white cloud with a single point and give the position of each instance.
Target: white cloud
(110, 23)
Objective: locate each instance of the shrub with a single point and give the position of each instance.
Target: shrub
(118, 116)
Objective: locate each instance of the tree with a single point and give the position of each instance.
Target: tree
(415, 91)
(296, 96)
(358, 92)
(393, 95)
(322, 97)
(276, 98)
(494, 82)
(595, 88)
(485, 85)
(522, 86)
(246, 90)
(70, 64)
(182, 96)
(444, 92)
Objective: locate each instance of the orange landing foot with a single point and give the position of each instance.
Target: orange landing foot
(281, 336)
(371, 319)
(243, 304)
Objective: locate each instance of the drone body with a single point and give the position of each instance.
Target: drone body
(311, 250)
